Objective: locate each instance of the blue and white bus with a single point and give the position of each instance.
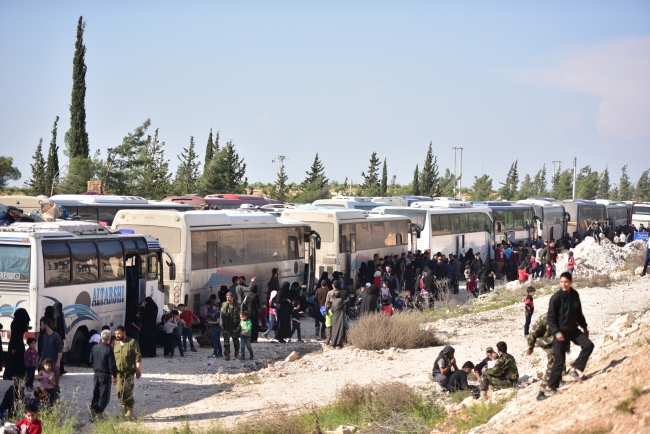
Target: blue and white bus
(511, 222)
(91, 276)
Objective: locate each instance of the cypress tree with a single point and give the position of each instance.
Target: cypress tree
(36, 184)
(509, 189)
(430, 184)
(384, 180)
(234, 173)
(155, 182)
(209, 152)
(415, 185)
(527, 188)
(642, 191)
(587, 183)
(77, 135)
(280, 190)
(52, 168)
(316, 173)
(625, 187)
(539, 184)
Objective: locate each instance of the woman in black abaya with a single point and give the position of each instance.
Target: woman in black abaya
(148, 329)
(253, 305)
(15, 367)
(487, 278)
(284, 314)
(369, 300)
(338, 318)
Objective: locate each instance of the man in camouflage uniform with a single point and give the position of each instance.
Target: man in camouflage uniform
(504, 374)
(541, 335)
(127, 359)
(230, 325)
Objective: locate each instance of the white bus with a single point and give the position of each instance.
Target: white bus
(550, 218)
(348, 202)
(448, 226)
(102, 208)
(211, 247)
(350, 237)
(616, 213)
(641, 214)
(91, 276)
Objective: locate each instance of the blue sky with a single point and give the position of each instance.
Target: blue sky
(530, 81)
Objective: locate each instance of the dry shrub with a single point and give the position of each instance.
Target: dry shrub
(635, 259)
(275, 421)
(402, 330)
(378, 400)
(599, 281)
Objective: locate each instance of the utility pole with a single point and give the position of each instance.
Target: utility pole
(559, 164)
(460, 178)
(575, 164)
(455, 177)
(279, 159)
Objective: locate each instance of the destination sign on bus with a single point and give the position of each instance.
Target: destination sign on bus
(108, 295)
(9, 276)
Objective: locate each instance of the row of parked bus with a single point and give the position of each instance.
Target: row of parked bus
(180, 255)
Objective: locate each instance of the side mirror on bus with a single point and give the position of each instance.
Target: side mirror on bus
(498, 226)
(417, 232)
(317, 242)
(541, 226)
(172, 270)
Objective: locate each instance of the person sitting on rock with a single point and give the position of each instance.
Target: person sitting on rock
(504, 374)
(442, 366)
(481, 367)
(458, 380)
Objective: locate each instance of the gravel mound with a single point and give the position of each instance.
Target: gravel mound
(592, 258)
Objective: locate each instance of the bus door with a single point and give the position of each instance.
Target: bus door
(134, 290)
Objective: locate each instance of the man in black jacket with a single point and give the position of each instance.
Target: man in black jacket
(102, 359)
(564, 317)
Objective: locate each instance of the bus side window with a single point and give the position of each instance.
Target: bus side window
(152, 267)
(293, 247)
(112, 260)
(84, 262)
(56, 263)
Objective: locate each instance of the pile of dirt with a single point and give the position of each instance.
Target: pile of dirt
(592, 258)
(614, 397)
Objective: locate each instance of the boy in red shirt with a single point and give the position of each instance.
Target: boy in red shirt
(186, 316)
(571, 262)
(386, 308)
(523, 274)
(31, 424)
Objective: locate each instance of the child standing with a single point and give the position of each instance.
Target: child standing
(386, 308)
(529, 306)
(272, 317)
(213, 319)
(295, 320)
(264, 315)
(31, 360)
(245, 335)
(30, 424)
(135, 326)
(471, 284)
(549, 271)
(177, 333)
(48, 382)
(328, 321)
(168, 327)
(523, 274)
(385, 290)
(571, 263)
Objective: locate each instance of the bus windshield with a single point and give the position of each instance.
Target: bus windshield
(14, 262)
(418, 216)
(642, 209)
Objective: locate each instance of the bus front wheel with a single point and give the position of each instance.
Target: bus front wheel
(77, 347)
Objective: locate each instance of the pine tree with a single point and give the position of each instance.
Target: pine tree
(209, 152)
(234, 174)
(187, 174)
(642, 191)
(384, 180)
(52, 168)
(625, 187)
(482, 188)
(509, 189)
(527, 189)
(603, 184)
(280, 190)
(156, 179)
(371, 186)
(587, 184)
(77, 135)
(564, 186)
(36, 184)
(539, 184)
(415, 185)
(8, 172)
(555, 181)
(316, 174)
(430, 183)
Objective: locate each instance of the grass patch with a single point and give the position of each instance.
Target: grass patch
(403, 330)
(458, 396)
(245, 380)
(477, 415)
(626, 406)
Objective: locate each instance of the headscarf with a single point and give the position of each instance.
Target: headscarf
(253, 288)
(447, 350)
(284, 290)
(95, 338)
(150, 300)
